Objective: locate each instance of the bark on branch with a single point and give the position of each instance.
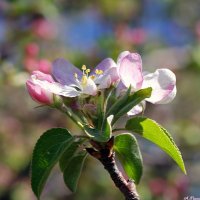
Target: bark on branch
(106, 156)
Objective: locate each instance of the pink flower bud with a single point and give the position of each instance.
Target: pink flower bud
(36, 91)
(32, 49)
(44, 29)
(44, 66)
(30, 64)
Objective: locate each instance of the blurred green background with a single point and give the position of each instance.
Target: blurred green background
(35, 32)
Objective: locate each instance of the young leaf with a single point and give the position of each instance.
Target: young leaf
(110, 98)
(100, 111)
(46, 154)
(132, 101)
(119, 103)
(73, 170)
(152, 131)
(99, 135)
(129, 154)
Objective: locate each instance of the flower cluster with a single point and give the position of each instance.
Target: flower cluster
(85, 90)
(33, 62)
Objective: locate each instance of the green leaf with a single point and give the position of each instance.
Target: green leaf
(129, 154)
(110, 98)
(119, 103)
(99, 135)
(73, 170)
(46, 154)
(152, 131)
(100, 111)
(132, 101)
(67, 155)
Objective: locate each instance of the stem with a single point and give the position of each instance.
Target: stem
(107, 157)
(71, 116)
(81, 136)
(126, 187)
(118, 129)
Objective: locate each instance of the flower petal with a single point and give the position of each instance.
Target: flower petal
(130, 71)
(110, 76)
(69, 92)
(39, 94)
(57, 88)
(42, 76)
(90, 87)
(65, 90)
(121, 89)
(104, 65)
(137, 109)
(168, 98)
(121, 56)
(63, 71)
(113, 73)
(105, 82)
(163, 83)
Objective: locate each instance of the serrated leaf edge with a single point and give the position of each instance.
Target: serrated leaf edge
(43, 136)
(170, 138)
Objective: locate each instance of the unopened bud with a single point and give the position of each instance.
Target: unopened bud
(37, 92)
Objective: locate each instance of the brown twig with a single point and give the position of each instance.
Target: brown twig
(106, 156)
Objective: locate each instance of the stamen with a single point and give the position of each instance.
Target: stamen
(76, 75)
(87, 71)
(83, 68)
(84, 80)
(92, 77)
(98, 71)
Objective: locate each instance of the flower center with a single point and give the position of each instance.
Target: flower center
(84, 80)
(85, 75)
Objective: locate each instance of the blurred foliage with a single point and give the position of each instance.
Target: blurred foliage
(35, 32)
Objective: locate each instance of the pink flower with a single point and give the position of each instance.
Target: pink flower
(44, 29)
(130, 35)
(39, 92)
(44, 66)
(33, 64)
(75, 82)
(162, 81)
(30, 64)
(32, 49)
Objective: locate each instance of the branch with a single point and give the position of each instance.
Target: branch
(106, 156)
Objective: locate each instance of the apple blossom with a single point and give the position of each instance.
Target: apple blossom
(32, 49)
(43, 28)
(73, 82)
(162, 81)
(95, 101)
(44, 66)
(38, 93)
(83, 82)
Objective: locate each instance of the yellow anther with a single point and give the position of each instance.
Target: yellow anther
(93, 77)
(75, 75)
(83, 67)
(96, 71)
(100, 72)
(87, 71)
(84, 80)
